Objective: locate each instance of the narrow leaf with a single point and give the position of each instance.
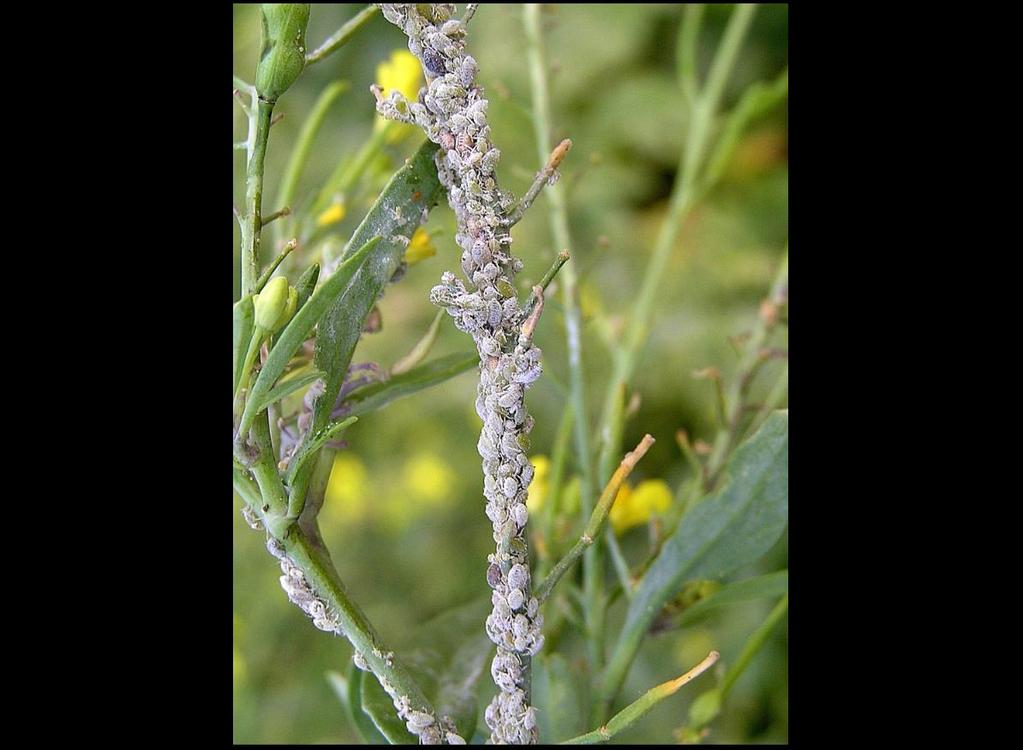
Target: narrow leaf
(421, 349)
(350, 693)
(761, 587)
(287, 387)
(395, 215)
(718, 536)
(379, 708)
(298, 330)
(377, 395)
(310, 446)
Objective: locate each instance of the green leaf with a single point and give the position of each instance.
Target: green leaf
(377, 395)
(560, 694)
(298, 330)
(310, 446)
(760, 587)
(396, 213)
(447, 659)
(756, 101)
(286, 387)
(349, 690)
(718, 536)
(244, 321)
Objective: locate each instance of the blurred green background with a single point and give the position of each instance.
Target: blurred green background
(404, 518)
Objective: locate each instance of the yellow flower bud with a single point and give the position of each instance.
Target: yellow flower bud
(420, 247)
(270, 303)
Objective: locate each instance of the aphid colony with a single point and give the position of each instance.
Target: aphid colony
(452, 110)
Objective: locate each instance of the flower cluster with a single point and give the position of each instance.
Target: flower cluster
(452, 110)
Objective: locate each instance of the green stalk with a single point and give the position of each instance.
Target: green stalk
(683, 194)
(340, 37)
(632, 713)
(252, 221)
(300, 153)
(736, 398)
(597, 518)
(346, 174)
(753, 645)
(592, 579)
(558, 456)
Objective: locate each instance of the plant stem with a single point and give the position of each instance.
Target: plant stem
(316, 566)
(252, 222)
(682, 198)
(300, 153)
(597, 518)
(319, 571)
(632, 713)
(728, 434)
(558, 456)
(753, 645)
(688, 50)
(340, 37)
(562, 238)
(346, 174)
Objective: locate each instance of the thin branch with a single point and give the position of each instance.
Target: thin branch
(636, 710)
(340, 37)
(547, 278)
(286, 211)
(265, 276)
(597, 518)
(470, 11)
(558, 216)
(545, 176)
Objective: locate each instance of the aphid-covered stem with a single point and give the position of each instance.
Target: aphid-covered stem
(452, 110)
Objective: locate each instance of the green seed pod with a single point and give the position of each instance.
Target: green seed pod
(283, 56)
(271, 302)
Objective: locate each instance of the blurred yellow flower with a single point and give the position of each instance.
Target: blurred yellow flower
(428, 477)
(633, 507)
(538, 487)
(332, 215)
(401, 73)
(420, 247)
(345, 499)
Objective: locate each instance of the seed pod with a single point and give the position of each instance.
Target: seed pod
(283, 56)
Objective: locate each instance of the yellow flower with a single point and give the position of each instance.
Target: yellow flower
(420, 247)
(401, 73)
(345, 499)
(538, 487)
(633, 507)
(427, 476)
(332, 215)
